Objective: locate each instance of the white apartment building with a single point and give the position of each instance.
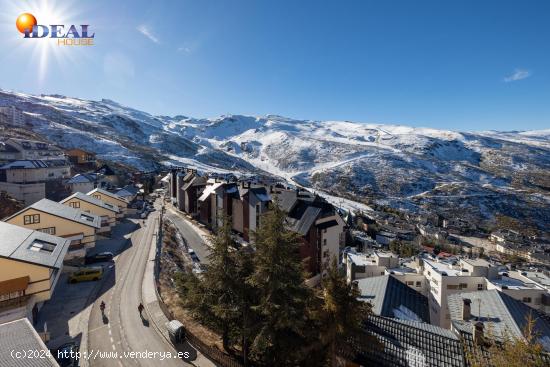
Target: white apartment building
(366, 265)
(443, 279)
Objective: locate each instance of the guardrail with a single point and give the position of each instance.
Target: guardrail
(210, 352)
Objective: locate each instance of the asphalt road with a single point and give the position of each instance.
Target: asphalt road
(121, 329)
(194, 240)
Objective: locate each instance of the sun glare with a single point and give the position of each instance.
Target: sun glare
(45, 51)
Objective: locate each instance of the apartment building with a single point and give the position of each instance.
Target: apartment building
(25, 179)
(318, 222)
(366, 265)
(83, 182)
(30, 266)
(108, 213)
(25, 149)
(110, 198)
(247, 205)
(81, 157)
(445, 278)
(61, 220)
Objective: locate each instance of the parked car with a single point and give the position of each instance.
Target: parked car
(66, 355)
(100, 257)
(86, 274)
(193, 255)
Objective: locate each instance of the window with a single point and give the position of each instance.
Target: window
(324, 230)
(257, 216)
(325, 242)
(480, 287)
(38, 245)
(463, 286)
(452, 286)
(97, 196)
(49, 230)
(325, 253)
(31, 219)
(418, 284)
(527, 299)
(410, 282)
(75, 204)
(86, 217)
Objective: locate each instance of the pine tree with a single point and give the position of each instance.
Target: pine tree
(341, 314)
(221, 283)
(282, 295)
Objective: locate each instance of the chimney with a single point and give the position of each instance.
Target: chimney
(478, 333)
(467, 309)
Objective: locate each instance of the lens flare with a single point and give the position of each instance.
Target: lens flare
(25, 21)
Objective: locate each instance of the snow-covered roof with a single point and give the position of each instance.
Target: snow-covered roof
(210, 189)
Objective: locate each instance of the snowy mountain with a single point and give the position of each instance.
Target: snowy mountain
(472, 175)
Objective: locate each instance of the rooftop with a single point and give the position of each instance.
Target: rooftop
(30, 246)
(19, 335)
(392, 298)
(501, 313)
(110, 194)
(410, 343)
(444, 268)
(63, 211)
(92, 200)
(33, 164)
(512, 283)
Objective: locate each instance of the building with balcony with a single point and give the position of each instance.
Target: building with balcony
(26, 180)
(108, 213)
(61, 220)
(25, 149)
(30, 266)
(110, 198)
(81, 157)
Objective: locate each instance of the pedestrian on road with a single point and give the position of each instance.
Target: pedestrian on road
(140, 309)
(102, 307)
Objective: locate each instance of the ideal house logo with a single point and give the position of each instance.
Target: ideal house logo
(65, 35)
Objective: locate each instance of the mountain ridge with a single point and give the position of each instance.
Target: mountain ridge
(484, 173)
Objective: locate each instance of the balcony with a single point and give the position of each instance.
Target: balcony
(14, 303)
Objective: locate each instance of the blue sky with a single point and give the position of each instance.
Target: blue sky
(462, 65)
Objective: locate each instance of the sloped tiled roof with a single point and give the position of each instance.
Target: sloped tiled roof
(504, 314)
(110, 194)
(17, 244)
(408, 343)
(392, 298)
(63, 211)
(19, 335)
(91, 200)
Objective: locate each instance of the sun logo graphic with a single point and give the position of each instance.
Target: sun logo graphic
(27, 24)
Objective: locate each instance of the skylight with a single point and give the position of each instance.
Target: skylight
(39, 245)
(86, 217)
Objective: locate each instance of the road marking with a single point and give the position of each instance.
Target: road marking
(110, 330)
(112, 345)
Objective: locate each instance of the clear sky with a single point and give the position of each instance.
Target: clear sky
(463, 65)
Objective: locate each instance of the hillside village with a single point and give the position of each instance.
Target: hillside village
(431, 280)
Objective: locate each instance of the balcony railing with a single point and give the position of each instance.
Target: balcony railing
(14, 303)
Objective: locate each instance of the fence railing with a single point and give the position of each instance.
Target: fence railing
(209, 351)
